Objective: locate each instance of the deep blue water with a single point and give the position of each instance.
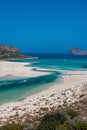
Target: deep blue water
(18, 89)
(59, 61)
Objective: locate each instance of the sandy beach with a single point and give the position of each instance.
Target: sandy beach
(65, 93)
(14, 70)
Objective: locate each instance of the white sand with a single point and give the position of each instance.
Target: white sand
(16, 69)
(68, 91)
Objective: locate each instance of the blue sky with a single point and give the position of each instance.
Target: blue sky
(37, 26)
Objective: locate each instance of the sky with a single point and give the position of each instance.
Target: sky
(44, 26)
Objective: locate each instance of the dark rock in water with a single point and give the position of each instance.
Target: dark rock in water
(9, 52)
(77, 51)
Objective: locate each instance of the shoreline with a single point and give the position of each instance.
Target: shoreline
(55, 96)
(35, 105)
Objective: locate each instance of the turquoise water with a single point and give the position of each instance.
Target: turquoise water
(19, 89)
(14, 90)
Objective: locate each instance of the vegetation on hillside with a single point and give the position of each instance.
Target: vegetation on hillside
(12, 127)
(62, 120)
(8, 52)
(57, 120)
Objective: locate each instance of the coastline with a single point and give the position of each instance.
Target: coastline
(69, 91)
(25, 58)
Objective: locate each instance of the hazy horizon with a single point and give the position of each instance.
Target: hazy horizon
(49, 26)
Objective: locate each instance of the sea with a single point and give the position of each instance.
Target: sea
(18, 89)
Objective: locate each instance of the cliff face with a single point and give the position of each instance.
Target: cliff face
(77, 51)
(8, 52)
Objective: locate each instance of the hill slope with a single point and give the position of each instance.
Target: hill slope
(8, 52)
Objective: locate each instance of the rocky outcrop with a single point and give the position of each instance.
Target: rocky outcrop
(77, 51)
(9, 49)
(9, 52)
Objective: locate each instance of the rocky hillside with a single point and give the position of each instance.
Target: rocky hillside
(8, 52)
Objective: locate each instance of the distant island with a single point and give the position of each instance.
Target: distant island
(77, 51)
(9, 52)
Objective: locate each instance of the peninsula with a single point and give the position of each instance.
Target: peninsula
(9, 52)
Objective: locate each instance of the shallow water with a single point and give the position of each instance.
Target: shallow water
(14, 90)
(19, 89)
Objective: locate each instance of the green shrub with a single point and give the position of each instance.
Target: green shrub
(76, 126)
(60, 121)
(12, 127)
(80, 126)
(65, 126)
(48, 126)
(51, 120)
(71, 113)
